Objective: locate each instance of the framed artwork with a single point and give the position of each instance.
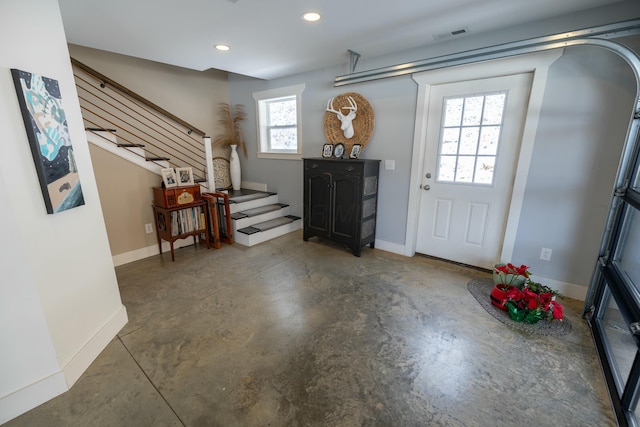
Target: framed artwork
(169, 178)
(185, 176)
(48, 134)
(355, 151)
(327, 150)
(339, 150)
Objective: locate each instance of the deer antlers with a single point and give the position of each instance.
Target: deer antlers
(346, 120)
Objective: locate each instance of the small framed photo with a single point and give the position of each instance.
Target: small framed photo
(355, 151)
(169, 178)
(327, 150)
(339, 150)
(185, 176)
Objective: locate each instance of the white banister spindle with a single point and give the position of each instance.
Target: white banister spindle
(208, 152)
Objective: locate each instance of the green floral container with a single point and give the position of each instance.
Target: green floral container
(509, 279)
(515, 313)
(532, 317)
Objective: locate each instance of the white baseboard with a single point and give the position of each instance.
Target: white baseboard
(23, 400)
(27, 398)
(567, 289)
(92, 349)
(142, 253)
(391, 247)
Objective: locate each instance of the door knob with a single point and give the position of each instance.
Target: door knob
(426, 188)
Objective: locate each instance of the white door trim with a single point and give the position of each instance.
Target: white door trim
(538, 64)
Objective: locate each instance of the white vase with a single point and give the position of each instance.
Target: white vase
(234, 168)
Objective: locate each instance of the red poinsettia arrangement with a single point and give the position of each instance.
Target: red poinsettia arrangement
(532, 303)
(511, 275)
(522, 298)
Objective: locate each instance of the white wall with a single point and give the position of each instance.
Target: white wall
(604, 107)
(59, 299)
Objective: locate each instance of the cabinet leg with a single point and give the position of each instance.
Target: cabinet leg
(173, 257)
(372, 245)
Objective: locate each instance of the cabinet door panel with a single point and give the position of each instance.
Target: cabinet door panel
(346, 205)
(318, 204)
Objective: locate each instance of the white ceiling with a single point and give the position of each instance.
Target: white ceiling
(269, 39)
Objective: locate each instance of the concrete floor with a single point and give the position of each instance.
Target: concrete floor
(293, 333)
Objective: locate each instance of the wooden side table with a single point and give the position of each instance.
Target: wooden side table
(181, 222)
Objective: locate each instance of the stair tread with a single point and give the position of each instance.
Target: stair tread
(100, 129)
(259, 210)
(267, 225)
(250, 196)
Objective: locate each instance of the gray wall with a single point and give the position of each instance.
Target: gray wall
(393, 102)
(586, 110)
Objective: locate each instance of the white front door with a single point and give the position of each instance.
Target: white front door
(473, 138)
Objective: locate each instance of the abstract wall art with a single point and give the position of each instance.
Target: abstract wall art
(48, 134)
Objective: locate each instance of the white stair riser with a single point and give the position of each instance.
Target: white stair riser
(139, 151)
(246, 222)
(263, 236)
(135, 155)
(250, 204)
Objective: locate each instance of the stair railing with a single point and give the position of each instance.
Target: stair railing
(139, 123)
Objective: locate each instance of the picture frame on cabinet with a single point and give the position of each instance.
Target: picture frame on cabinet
(185, 176)
(338, 151)
(327, 150)
(169, 178)
(355, 151)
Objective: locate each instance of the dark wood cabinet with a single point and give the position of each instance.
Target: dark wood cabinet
(340, 200)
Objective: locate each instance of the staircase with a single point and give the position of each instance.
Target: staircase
(135, 153)
(258, 216)
(153, 138)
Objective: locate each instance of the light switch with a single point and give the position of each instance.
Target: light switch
(390, 165)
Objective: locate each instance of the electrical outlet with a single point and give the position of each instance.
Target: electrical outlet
(148, 228)
(545, 254)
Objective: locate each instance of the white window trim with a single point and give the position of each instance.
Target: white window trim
(295, 90)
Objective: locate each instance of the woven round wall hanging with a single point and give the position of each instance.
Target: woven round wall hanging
(363, 123)
(221, 172)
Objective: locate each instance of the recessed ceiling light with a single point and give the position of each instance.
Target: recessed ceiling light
(222, 47)
(311, 16)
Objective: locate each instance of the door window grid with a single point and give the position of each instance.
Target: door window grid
(469, 137)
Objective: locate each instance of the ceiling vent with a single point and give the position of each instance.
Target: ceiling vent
(455, 33)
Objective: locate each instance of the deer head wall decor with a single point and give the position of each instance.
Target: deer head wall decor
(346, 120)
(341, 124)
